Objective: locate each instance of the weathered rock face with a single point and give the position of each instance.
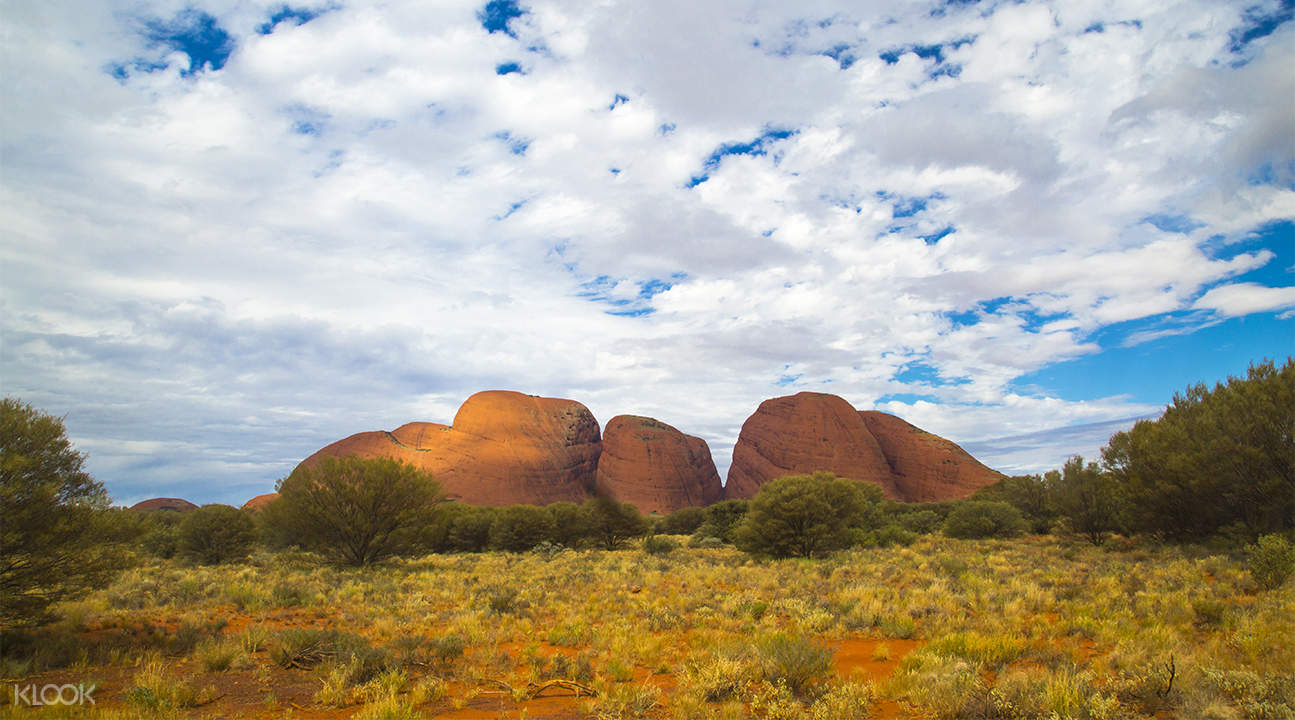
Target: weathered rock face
(654, 466)
(168, 504)
(812, 431)
(926, 467)
(504, 448)
(802, 433)
(258, 503)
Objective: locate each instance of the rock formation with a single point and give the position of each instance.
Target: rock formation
(926, 467)
(166, 504)
(800, 434)
(806, 432)
(654, 466)
(504, 448)
(258, 503)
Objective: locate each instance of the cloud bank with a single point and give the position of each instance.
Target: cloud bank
(235, 232)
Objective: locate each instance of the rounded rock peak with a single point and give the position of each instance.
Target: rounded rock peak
(508, 415)
(259, 502)
(168, 504)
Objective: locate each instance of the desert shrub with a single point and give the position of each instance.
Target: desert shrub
(469, 529)
(220, 655)
(1271, 561)
(722, 519)
(848, 701)
(161, 533)
(1087, 498)
(802, 516)
(519, 528)
(1215, 457)
(980, 519)
(155, 688)
(355, 510)
(305, 648)
(611, 523)
(216, 534)
(659, 545)
(58, 538)
(722, 677)
(570, 525)
(888, 536)
(922, 522)
(501, 599)
(705, 543)
(947, 688)
(683, 521)
(802, 664)
(1030, 494)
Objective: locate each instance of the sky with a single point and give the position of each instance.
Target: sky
(234, 231)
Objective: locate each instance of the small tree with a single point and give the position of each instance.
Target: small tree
(802, 516)
(57, 538)
(519, 528)
(355, 510)
(611, 523)
(216, 534)
(980, 519)
(1271, 561)
(570, 524)
(682, 521)
(1086, 497)
(722, 519)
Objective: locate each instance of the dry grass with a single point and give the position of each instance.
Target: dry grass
(1033, 628)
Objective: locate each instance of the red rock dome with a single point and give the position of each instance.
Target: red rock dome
(654, 466)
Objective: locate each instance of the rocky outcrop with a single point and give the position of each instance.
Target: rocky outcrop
(807, 432)
(802, 433)
(654, 466)
(926, 467)
(258, 503)
(504, 448)
(166, 504)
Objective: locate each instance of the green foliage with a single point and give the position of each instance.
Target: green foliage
(519, 528)
(216, 534)
(1216, 458)
(1086, 497)
(683, 521)
(888, 536)
(921, 522)
(980, 519)
(355, 510)
(160, 534)
(469, 529)
(1271, 561)
(1030, 494)
(58, 539)
(570, 525)
(305, 648)
(659, 545)
(804, 515)
(611, 523)
(722, 519)
(802, 664)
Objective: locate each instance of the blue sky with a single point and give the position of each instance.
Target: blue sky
(236, 231)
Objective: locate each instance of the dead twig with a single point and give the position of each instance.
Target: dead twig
(534, 690)
(1172, 673)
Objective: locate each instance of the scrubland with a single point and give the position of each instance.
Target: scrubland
(1037, 627)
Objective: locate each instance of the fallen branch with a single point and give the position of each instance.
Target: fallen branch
(1172, 673)
(534, 690)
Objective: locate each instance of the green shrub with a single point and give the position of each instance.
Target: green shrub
(659, 545)
(215, 534)
(1271, 561)
(611, 523)
(981, 519)
(802, 664)
(804, 515)
(519, 528)
(683, 521)
(722, 519)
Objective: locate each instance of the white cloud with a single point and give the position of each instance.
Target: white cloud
(1246, 298)
(357, 222)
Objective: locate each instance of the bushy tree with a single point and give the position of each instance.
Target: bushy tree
(722, 519)
(1029, 494)
(611, 523)
(570, 524)
(216, 534)
(519, 528)
(57, 537)
(682, 521)
(470, 528)
(1086, 497)
(981, 519)
(804, 515)
(1271, 561)
(355, 510)
(1216, 458)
